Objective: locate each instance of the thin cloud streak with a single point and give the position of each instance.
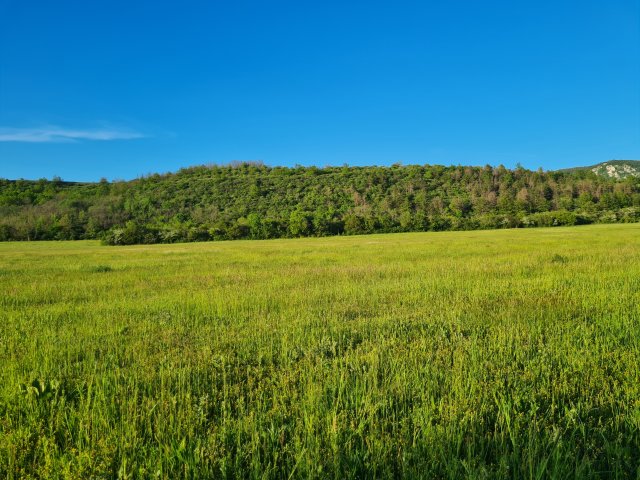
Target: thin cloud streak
(57, 134)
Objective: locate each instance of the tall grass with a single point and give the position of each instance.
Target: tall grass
(492, 354)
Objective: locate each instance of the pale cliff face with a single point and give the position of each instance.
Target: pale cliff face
(616, 171)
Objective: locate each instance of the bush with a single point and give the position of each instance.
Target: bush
(132, 234)
(550, 219)
(629, 215)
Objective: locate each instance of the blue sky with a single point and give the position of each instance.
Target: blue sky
(119, 89)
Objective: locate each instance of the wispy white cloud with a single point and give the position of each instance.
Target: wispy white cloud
(58, 134)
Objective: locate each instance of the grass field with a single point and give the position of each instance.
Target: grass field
(490, 354)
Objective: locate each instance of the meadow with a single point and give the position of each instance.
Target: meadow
(487, 354)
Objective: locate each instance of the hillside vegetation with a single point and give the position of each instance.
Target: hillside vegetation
(258, 202)
(506, 354)
(617, 169)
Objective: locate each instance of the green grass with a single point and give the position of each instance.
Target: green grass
(489, 354)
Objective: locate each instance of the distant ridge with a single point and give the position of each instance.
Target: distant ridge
(617, 169)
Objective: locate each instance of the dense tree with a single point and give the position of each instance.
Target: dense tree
(250, 200)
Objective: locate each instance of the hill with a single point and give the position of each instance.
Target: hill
(251, 200)
(617, 169)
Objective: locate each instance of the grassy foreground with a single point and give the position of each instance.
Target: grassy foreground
(488, 354)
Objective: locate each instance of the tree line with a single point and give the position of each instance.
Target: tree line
(254, 201)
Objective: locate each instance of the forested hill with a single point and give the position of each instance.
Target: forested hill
(255, 201)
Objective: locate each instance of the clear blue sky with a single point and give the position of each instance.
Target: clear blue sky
(117, 89)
